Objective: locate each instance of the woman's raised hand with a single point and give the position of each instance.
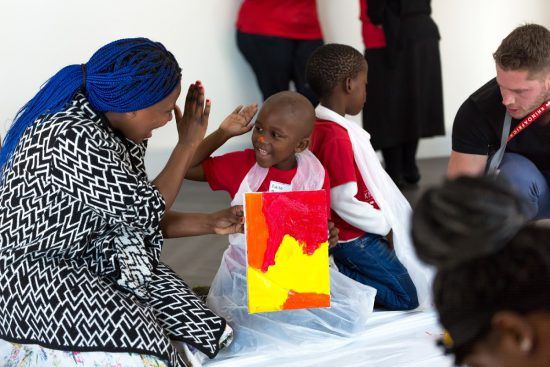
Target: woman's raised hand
(239, 121)
(193, 122)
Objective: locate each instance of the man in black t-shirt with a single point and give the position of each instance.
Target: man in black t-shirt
(521, 87)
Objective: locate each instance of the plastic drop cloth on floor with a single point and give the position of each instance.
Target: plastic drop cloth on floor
(391, 339)
(346, 334)
(277, 332)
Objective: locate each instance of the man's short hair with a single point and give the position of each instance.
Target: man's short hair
(526, 48)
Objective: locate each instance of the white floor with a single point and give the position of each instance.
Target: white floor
(394, 339)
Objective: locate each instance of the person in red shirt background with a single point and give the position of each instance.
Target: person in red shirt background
(276, 37)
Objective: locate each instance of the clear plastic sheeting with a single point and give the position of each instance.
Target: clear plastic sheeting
(351, 305)
(390, 339)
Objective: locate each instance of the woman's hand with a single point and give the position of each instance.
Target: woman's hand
(332, 235)
(193, 122)
(228, 221)
(177, 224)
(239, 121)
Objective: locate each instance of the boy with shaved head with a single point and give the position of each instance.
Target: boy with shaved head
(279, 161)
(282, 130)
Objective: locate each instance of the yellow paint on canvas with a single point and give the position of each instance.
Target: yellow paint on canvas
(293, 270)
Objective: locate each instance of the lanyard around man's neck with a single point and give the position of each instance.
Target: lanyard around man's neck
(494, 163)
(533, 116)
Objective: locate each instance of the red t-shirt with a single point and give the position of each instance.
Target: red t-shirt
(331, 144)
(373, 36)
(295, 19)
(226, 172)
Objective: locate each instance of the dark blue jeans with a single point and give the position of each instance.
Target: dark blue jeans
(370, 261)
(529, 182)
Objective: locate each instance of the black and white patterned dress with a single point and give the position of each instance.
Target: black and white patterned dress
(80, 242)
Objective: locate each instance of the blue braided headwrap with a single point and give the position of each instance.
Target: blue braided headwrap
(123, 76)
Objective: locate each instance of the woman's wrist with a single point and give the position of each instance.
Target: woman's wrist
(184, 144)
(205, 223)
(210, 223)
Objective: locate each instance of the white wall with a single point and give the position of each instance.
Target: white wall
(39, 37)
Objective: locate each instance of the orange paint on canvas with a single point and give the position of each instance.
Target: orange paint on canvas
(257, 232)
(306, 300)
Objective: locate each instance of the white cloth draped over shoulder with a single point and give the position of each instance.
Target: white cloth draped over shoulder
(277, 332)
(392, 203)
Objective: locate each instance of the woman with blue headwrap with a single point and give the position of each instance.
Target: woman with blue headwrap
(81, 227)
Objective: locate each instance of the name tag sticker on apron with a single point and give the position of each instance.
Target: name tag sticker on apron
(275, 186)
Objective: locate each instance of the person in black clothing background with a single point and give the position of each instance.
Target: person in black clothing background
(405, 97)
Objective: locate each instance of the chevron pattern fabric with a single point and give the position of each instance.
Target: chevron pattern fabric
(80, 242)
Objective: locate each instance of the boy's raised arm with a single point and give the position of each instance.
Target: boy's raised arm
(237, 123)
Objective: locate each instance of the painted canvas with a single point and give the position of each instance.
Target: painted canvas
(287, 250)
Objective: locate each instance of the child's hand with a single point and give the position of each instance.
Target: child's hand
(332, 235)
(238, 122)
(192, 123)
(228, 221)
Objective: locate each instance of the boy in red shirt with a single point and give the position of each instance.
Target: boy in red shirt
(280, 161)
(279, 134)
(367, 208)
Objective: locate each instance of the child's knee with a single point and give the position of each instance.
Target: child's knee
(410, 297)
(399, 302)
